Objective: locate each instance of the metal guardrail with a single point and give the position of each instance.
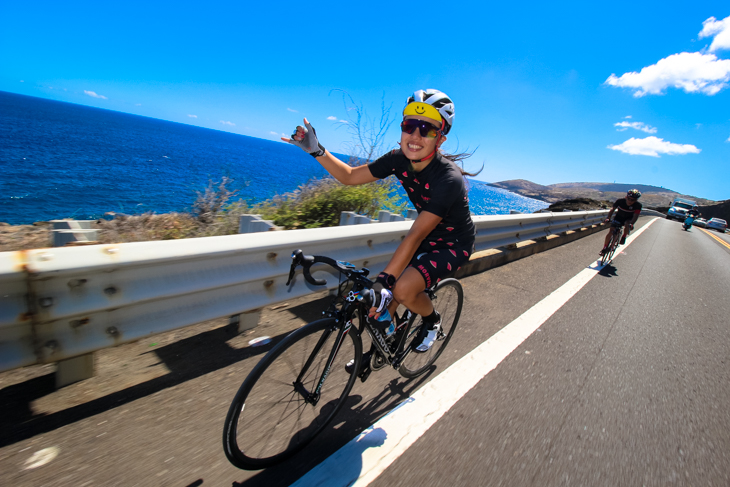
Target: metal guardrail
(60, 303)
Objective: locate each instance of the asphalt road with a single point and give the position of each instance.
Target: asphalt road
(627, 384)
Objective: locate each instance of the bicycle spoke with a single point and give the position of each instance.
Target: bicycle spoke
(447, 300)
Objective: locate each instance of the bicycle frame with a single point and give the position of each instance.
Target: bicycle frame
(394, 354)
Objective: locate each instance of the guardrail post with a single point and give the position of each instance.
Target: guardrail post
(246, 320)
(352, 218)
(74, 232)
(74, 370)
(347, 218)
(386, 216)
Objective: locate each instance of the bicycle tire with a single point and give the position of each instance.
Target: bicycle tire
(610, 249)
(448, 299)
(614, 245)
(604, 257)
(269, 420)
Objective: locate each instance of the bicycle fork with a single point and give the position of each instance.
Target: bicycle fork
(313, 397)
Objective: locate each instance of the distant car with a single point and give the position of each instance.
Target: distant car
(718, 224)
(700, 222)
(679, 208)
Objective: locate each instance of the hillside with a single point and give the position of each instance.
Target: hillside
(652, 196)
(614, 187)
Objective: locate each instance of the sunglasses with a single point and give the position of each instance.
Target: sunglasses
(425, 129)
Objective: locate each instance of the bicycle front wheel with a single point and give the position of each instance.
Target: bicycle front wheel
(448, 299)
(614, 245)
(277, 409)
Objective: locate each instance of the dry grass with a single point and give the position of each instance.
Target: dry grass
(148, 226)
(126, 228)
(315, 204)
(24, 237)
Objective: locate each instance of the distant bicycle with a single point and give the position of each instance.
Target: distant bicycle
(610, 249)
(298, 387)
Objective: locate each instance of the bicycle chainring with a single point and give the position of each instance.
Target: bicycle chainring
(377, 362)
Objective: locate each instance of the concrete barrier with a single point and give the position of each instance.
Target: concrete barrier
(72, 232)
(255, 224)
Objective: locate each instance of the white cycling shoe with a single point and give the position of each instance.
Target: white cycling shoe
(429, 339)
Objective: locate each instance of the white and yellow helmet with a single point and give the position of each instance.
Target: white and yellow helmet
(432, 104)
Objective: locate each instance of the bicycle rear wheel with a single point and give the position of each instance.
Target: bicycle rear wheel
(274, 413)
(448, 299)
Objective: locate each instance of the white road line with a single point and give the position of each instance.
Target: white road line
(364, 458)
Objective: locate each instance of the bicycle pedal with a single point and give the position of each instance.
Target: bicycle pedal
(365, 373)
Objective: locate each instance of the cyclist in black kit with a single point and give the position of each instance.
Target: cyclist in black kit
(694, 212)
(627, 212)
(442, 236)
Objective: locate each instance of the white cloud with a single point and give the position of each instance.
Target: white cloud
(94, 95)
(291, 110)
(344, 121)
(653, 146)
(331, 117)
(720, 29)
(274, 133)
(192, 116)
(635, 125)
(690, 71)
(627, 117)
(228, 123)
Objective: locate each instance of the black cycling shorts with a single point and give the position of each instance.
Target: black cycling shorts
(436, 261)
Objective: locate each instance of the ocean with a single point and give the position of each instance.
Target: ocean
(61, 160)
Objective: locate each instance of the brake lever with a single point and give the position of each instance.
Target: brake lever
(296, 259)
(291, 273)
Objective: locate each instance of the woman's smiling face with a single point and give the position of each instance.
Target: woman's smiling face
(414, 146)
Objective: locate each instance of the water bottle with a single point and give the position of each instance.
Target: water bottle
(385, 318)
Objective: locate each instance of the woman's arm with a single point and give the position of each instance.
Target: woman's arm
(345, 173)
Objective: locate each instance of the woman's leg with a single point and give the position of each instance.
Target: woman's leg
(409, 292)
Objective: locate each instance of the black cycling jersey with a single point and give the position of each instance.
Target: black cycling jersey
(625, 211)
(693, 213)
(439, 189)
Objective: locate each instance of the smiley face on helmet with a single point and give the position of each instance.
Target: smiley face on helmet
(432, 104)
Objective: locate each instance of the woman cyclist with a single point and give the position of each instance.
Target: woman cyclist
(442, 236)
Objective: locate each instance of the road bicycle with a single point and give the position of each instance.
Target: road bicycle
(298, 387)
(616, 229)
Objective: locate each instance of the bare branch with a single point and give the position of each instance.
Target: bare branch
(368, 135)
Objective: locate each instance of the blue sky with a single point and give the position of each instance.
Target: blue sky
(634, 92)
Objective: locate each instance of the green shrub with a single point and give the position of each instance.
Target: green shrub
(319, 203)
